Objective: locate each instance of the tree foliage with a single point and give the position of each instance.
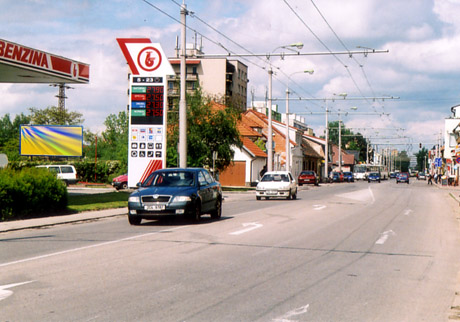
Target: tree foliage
(9, 135)
(422, 156)
(402, 161)
(53, 115)
(350, 140)
(209, 129)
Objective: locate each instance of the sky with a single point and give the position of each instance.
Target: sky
(421, 69)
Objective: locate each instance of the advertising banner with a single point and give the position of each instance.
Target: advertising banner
(51, 140)
(147, 107)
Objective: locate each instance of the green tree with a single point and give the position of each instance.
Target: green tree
(112, 143)
(9, 135)
(53, 115)
(402, 161)
(350, 140)
(208, 130)
(422, 157)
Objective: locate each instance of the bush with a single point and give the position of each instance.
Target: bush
(30, 193)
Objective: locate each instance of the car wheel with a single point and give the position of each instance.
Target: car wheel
(195, 216)
(289, 197)
(369, 181)
(258, 198)
(134, 220)
(379, 181)
(294, 196)
(124, 185)
(300, 184)
(217, 213)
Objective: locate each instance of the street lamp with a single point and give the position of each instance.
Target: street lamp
(288, 148)
(270, 132)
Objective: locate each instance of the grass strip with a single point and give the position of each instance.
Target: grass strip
(98, 201)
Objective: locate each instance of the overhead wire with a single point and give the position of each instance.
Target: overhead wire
(325, 46)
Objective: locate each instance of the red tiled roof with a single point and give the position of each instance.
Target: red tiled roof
(253, 148)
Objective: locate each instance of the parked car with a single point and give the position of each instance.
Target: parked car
(402, 177)
(120, 182)
(393, 175)
(189, 192)
(348, 176)
(306, 177)
(373, 176)
(421, 176)
(277, 184)
(64, 172)
(337, 176)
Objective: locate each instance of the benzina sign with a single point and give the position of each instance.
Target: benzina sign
(18, 55)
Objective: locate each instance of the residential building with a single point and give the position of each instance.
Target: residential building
(224, 80)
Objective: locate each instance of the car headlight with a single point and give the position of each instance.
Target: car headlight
(182, 199)
(134, 199)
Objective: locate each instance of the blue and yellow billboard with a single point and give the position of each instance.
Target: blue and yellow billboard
(51, 140)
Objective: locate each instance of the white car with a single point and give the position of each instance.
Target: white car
(277, 184)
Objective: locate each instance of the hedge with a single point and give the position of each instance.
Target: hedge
(29, 193)
(87, 171)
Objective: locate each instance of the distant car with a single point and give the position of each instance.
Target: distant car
(188, 192)
(277, 184)
(373, 176)
(402, 177)
(392, 175)
(348, 176)
(120, 182)
(64, 172)
(421, 176)
(306, 177)
(337, 176)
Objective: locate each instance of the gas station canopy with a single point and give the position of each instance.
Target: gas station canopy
(21, 64)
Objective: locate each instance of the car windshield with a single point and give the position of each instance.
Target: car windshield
(308, 173)
(347, 173)
(170, 179)
(374, 174)
(275, 177)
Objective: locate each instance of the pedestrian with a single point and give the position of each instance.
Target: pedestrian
(429, 179)
(436, 178)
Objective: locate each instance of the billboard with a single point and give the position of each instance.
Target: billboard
(51, 140)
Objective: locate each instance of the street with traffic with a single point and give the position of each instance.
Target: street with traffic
(338, 252)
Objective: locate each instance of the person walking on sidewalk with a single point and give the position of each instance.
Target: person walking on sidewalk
(429, 179)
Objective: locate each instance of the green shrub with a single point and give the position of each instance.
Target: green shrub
(30, 192)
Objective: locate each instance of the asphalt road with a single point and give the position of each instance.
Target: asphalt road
(341, 252)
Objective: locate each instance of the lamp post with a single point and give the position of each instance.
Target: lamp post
(270, 132)
(288, 148)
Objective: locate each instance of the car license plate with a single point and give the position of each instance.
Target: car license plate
(272, 192)
(155, 207)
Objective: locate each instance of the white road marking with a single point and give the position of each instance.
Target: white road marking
(384, 236)
(318, 207)
(286, 317)
(250, 226)
(85, 247)
(364, 195)
(4, 292)
(407, 212)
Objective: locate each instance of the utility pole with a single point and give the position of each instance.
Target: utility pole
(182, 100)
(270, 133)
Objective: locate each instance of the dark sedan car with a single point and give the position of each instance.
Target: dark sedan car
(402, 177)
(187, 192)
(348, 176)
(306, 177)
(373, 176)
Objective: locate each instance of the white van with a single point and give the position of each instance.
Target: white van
(65, 172)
